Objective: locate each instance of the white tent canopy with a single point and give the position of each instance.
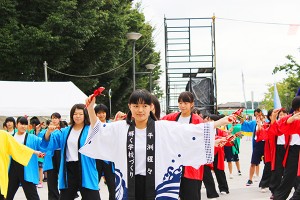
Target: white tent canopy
(38, 98)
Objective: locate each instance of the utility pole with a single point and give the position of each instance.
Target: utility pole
(45, 70)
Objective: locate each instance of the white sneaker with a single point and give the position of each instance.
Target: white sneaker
(223, 192)
(263, 190)
(230, 176)
(212, 198)
(40, 185)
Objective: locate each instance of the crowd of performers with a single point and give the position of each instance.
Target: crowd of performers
(143, 156)
(277, 140)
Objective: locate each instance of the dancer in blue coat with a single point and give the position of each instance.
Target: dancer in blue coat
(77, 171)
(28, 176)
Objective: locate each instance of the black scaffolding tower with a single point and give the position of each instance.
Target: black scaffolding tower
(190, 56)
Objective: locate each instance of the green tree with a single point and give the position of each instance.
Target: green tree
(80, 38)
(285, 94)
(290, 84)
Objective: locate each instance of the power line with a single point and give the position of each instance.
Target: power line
(94, 75)
(257, 22)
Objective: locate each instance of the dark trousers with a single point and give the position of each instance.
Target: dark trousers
(296, 195)
(74, 185)
(52, 179)
(190, 189)
(140, 185)
(209, 183)
(107, 170)
(221, 177)
(289, 175)
(265, 179)
(1, 196)
(15, 177)
(277, 173)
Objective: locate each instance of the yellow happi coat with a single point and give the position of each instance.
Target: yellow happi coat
(19, 152)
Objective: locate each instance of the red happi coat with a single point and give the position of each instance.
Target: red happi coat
(189, 172)
(220, 150)
(272, 134)
(288, 130)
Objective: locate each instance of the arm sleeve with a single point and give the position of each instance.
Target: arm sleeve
(55, 140)
(103, 141)
(194, 143)
(292, 128)
(19, 152)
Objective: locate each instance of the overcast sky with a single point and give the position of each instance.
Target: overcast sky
(254, 48)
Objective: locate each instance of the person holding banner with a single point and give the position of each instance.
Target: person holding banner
(149, 154)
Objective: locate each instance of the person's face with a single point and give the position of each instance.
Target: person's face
(140, 112)
(21, 128)
(78, 116)
(185, 107)
(258, 115)
(9, 125)
(55, 121)
(101, 115)
(281, 115)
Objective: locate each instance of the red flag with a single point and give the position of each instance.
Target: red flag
(293, 29)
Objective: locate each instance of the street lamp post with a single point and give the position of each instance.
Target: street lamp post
(45, 71)
(134, 37)
(150, 67)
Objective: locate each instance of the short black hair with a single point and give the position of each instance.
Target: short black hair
(196, 110)
(22, 120)
(257, 110)
(283, 111)
(56, 115)
(79, 106)
(34, 121)
(140, 96)
(102, 107)
(216, 117)
(156, 106)
(63, 124)
(269, 114)
(10, 119)
(296, 103)
(186, 97)
(48, 122)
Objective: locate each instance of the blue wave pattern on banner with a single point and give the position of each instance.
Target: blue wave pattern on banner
(169, 188)
(121, 189)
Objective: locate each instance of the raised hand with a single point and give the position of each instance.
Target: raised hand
(220, 142)
(39, 154)
(97, 92)
(120, 116)
(296, 116)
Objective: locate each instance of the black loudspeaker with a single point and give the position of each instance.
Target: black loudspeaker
(203, 91)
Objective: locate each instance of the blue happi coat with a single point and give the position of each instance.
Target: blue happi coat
(31, 171)
(89, 173)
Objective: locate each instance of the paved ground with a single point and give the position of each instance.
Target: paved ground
(237, 185)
